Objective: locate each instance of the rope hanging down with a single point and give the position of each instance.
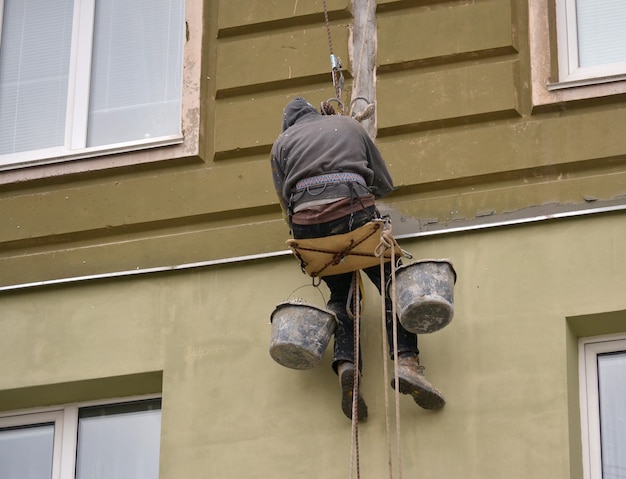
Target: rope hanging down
(356, 322)
(351, 252)
(387, 243)
(385, 251)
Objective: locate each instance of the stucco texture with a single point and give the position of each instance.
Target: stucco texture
(230, 411)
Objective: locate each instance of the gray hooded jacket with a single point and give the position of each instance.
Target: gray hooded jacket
(312, 144)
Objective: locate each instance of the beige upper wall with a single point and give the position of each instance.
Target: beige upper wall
(458, 122)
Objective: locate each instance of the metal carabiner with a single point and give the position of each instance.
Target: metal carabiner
(336, 67)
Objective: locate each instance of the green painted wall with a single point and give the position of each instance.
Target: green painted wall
(505, 362)
(468, 144)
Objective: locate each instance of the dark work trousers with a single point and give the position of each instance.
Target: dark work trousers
(340, 284)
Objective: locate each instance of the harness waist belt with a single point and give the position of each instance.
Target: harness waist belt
(329, 178)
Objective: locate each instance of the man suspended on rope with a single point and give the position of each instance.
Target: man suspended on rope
(328, 173)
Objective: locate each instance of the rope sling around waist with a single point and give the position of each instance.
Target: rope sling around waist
(328, 178)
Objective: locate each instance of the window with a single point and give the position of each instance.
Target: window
(603, 406)
(27, 446)
(82, 442)
(79, 76)
(591, 40)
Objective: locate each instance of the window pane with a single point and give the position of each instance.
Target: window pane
(601, 31)
(119, 442)
(34, 66)
(26, 452)
(612, 392)
(136, 71)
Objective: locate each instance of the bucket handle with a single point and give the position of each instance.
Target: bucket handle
(316, 286)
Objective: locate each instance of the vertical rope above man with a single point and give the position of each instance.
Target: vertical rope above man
(335, 62)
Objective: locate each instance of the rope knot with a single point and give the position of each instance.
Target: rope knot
(386, 240)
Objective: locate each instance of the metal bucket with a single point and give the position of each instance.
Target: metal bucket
(300, 334)
(425, 295)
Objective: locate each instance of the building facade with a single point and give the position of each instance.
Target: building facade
(141, 259)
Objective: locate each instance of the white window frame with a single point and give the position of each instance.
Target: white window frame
(589, 349)
(78, 102)
(132, 156)
(570, 71)
(33, 419)
(65, 419)
(545, 88)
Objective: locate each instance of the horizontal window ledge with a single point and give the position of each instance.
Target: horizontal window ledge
(56, 155)
(585, 82)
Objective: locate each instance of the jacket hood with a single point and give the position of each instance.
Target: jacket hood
(297, 109)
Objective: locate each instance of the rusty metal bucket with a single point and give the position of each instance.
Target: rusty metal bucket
(425, 295)
(300, 334)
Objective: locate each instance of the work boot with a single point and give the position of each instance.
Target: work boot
(346, 380)
(413, 382)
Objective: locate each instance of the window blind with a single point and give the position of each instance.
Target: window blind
(34, 66)
(601, 28)
(611, 378)
(136, 70)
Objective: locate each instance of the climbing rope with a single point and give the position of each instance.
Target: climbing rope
(385, 366)
(387, 242)
(356, 322)
(335, 62)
